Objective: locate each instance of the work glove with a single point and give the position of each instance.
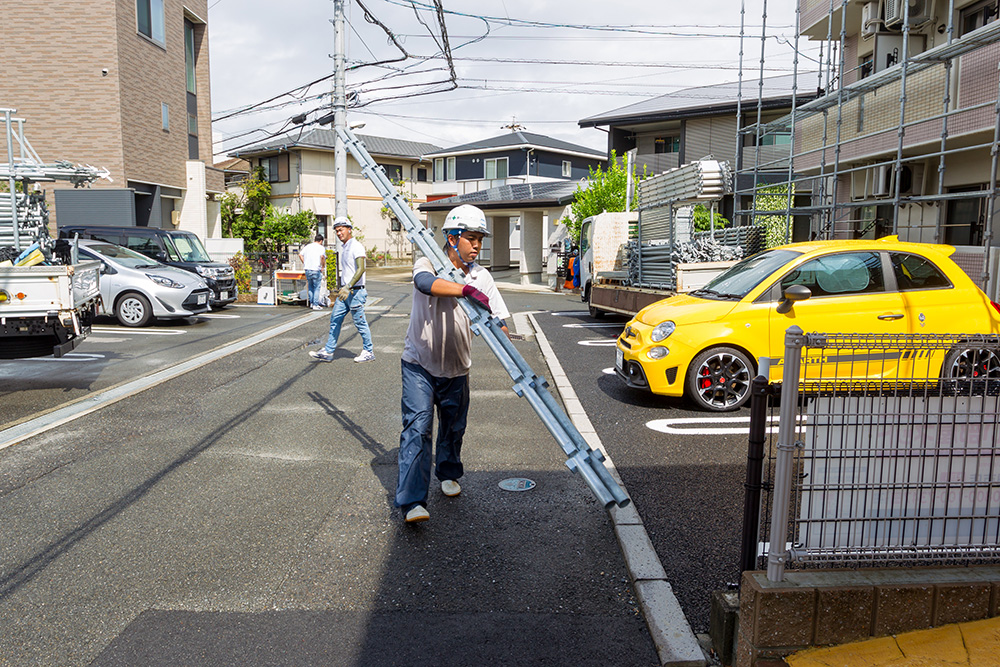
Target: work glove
(484, 301)
(344, 293)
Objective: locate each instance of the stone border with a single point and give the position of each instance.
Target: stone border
(675, 641)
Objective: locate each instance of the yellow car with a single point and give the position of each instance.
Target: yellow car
(705, 344)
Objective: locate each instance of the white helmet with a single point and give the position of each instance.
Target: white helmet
(342, 222)
(466, 218)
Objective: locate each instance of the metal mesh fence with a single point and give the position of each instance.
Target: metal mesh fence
(892, 454)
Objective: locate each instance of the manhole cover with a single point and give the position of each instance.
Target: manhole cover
(517, 484)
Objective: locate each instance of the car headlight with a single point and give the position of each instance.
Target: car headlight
(204, 271)
(164, 281)
(657, 352)
(661, 331)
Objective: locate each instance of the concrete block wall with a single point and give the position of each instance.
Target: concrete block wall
(829, 607)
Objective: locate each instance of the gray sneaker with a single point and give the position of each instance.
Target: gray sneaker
(450, 488)
(365, 356)
(322, 355)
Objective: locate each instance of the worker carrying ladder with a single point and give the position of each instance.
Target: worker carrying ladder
(589, 463)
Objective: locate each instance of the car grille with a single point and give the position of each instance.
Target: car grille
(625, 343)
(191, 303)
(671, 374)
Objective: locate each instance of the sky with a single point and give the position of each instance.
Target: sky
(538, 65)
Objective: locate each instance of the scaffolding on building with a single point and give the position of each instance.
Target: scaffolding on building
(862, 154)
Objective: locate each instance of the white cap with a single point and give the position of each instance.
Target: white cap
(465, 218)
(342, 222)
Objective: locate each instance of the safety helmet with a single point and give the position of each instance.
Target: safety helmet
(342, 222)
(465, 218)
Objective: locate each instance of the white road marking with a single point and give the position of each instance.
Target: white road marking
(571, 313)
(598, 343)
(595, 325)
(71, 357)
(609, 371)
(139, 332)
(672, 425)
(219, 316)
(98, 400)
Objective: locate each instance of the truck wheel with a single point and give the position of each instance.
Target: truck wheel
(595, 312)
(133, 310)
(719, 379)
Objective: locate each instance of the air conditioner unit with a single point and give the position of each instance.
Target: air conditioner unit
(880, 180)
(870, 19)
(919, 12)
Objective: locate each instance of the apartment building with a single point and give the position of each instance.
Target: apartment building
(301, 172)
(903, 140)
(124, 85)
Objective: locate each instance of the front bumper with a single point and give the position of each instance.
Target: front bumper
(193, 303)
(223, 290)
(663, 376)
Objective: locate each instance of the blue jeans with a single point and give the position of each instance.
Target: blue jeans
(356, 304)
(314, 279)
(422, 392)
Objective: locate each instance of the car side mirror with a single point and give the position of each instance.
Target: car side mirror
(161, 256)
(107, 270)
(792, 294)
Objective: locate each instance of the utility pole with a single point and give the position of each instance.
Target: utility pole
(339, 113)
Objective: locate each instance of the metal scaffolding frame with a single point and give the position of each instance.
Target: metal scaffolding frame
(832, 213)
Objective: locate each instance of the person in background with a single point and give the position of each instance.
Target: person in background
(437, 357)
(313, 257)
(351, 295)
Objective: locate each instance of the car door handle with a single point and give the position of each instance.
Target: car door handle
(891, 316)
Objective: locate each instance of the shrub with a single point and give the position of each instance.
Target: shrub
(241, 267)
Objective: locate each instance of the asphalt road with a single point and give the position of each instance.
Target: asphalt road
(687, 486)
(241, 514)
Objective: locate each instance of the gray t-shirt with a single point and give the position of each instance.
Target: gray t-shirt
(439, 338)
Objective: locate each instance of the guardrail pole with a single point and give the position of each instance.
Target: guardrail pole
(755, 466)
(776, 554)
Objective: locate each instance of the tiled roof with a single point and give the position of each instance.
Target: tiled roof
(706, 99)
(518, 140)
(510, 196)
(323, 139)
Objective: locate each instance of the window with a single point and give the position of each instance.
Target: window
(451, 169)
(914, 272)
(567, 168)
(394, 225)
(143, 244)
(667, 144)
(165, 116)
(149, 19)
(866, 66)
(776, 139)
(839, 274)
(393, 171)
(275, 168)
(189, 59)
(421, 175)
(977, 16)
(495, 168)
(439, 169)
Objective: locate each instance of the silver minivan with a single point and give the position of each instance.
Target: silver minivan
(135, 288)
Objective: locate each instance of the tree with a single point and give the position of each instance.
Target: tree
(282, 228)
(703, 219)
(243, 213)
(603, 191)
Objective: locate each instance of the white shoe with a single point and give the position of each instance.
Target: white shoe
(450, 488)
(315, 307)
(417, 514)
(365, 356)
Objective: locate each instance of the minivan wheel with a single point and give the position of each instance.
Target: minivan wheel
(133, 310)
(719, 379)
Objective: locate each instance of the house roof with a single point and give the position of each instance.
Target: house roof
(233, 164)
(514, 140)
(550, 193)
(323, 139)
(720, 98)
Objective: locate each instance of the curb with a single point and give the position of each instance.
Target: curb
(675, 641)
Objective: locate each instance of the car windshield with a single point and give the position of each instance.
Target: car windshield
(189, 248)
(739, 280)
(122, 256)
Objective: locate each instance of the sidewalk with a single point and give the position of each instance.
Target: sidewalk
(975, 644)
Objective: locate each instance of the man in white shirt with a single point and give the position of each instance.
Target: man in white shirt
(437, 356)
(313, 258)
(350, 297)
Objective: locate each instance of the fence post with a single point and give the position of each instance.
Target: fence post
(776, 555)
(755, 465)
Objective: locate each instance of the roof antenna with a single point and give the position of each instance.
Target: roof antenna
(514, 126)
